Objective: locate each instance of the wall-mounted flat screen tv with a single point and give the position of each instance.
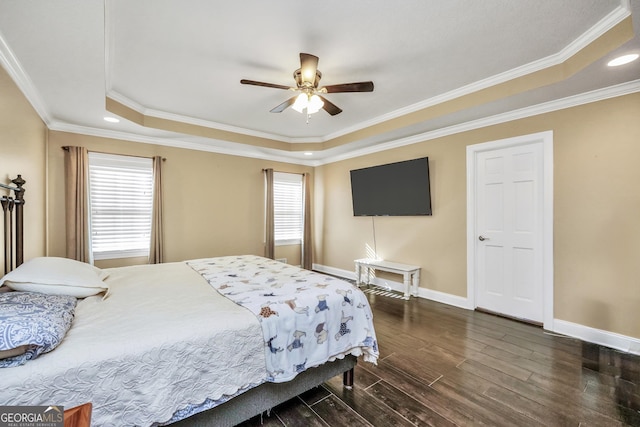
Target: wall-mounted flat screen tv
(393, 189)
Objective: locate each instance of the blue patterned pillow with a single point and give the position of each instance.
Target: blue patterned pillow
(37, 321)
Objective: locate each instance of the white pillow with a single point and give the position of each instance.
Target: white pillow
(56, 276)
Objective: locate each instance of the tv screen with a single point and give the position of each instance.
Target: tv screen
(394, 189)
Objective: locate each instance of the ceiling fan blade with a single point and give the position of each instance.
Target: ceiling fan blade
(349, 87)
(280, 108)
(255, 83)
(308, 67)
(330, 107)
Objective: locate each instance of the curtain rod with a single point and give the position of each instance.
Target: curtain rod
(295, 173)
(164, 159)
(8, 187)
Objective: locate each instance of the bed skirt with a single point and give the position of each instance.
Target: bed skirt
(266, 396)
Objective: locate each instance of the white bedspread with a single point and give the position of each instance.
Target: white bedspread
(122, 354)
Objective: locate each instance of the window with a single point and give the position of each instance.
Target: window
(288, 208)
(121, 201)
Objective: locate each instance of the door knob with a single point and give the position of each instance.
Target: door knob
(482, 238)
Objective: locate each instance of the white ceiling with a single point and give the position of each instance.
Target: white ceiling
(182, 60)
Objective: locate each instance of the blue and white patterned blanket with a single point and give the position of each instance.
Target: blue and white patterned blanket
(307, 318)
(34, 320)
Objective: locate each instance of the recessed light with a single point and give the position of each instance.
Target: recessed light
(308, 153)
(621, 60)
(111, 120)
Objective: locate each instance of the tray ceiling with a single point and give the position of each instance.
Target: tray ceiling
(171, 70)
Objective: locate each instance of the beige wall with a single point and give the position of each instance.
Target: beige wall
(435, 242)
(596, 215)
(22, 151)
(290, 252)
(213, 202)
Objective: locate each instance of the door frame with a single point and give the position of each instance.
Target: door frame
(546, 138)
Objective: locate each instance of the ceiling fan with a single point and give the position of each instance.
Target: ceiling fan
(307, 78)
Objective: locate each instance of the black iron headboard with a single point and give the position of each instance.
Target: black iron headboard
(13, 223)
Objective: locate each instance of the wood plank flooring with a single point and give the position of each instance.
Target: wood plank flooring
(444, 366)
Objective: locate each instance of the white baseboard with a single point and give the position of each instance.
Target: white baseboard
(585, 333)
(445, 298)
(351, 275)
(437, 296)
(598, 336)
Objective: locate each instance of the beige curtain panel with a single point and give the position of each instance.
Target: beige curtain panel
(156, 250)
(76, 166)
(269, 248)
(307, 245)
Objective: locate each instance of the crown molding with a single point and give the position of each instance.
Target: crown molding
(588, 37)
(246, 151)
(22, 80)
(615, 17)
(24, 83)
(534, 110)
(605, 24)
(122, 99)
(208, 146)
(228, 128)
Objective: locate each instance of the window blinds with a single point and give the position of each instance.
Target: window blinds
(121, 201)
(288, 208)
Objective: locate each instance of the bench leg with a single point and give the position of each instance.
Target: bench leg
(407, 285)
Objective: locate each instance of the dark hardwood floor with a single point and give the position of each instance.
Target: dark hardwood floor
(444, 366)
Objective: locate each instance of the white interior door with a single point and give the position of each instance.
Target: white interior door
(509, 244)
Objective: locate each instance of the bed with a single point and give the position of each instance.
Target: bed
(211, 341)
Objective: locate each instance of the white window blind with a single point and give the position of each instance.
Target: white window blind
(288, 208)
(121, 201)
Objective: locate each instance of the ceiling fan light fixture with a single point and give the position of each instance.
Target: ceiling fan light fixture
(309, 76)
(301, 103)
(314, 105)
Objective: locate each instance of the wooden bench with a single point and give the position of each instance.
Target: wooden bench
(410, 273)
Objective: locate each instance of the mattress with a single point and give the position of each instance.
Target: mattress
(161, 341)
(173, 339)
